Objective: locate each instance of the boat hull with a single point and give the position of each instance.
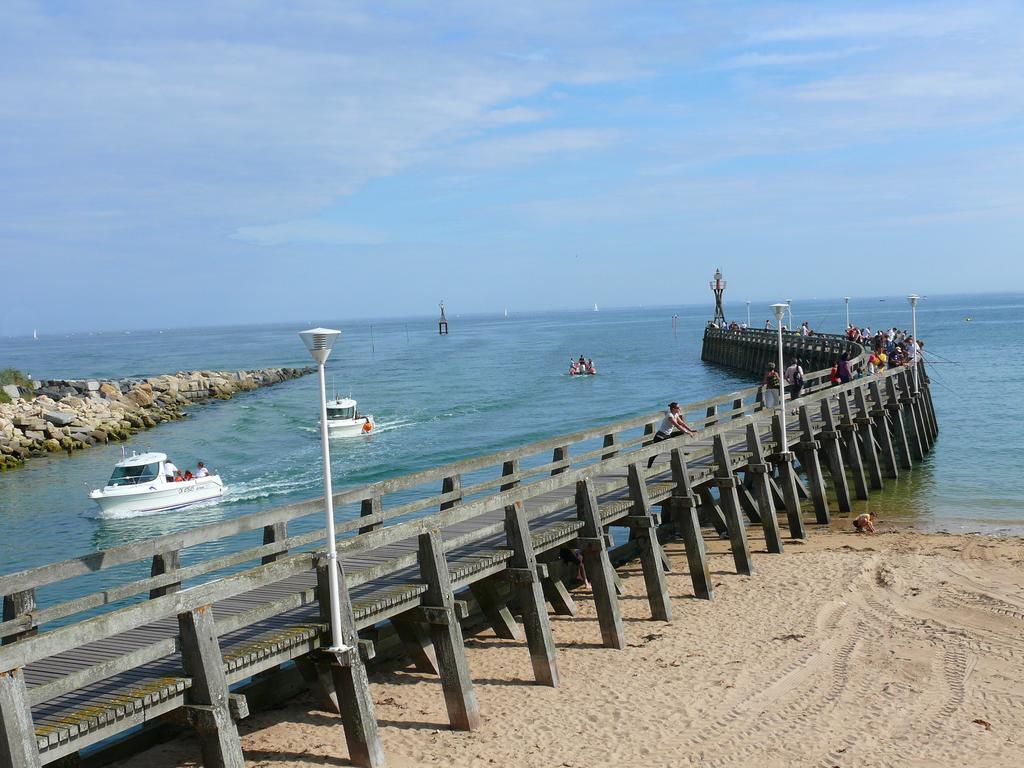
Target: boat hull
(350, 427)
(151, 499)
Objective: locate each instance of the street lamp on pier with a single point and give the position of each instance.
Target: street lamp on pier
(789, 307)
(847, 300)
(748, 314)
(319, 342)
(912, 298)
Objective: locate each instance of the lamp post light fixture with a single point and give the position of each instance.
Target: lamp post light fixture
(912, 298)
(780, 312)
(319, 342)
(847, 300)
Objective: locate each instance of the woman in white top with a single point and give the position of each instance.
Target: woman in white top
(672, 422)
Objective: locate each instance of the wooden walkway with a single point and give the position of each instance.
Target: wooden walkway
(490, 538)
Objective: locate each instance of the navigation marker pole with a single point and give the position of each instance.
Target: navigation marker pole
(847, 300)
(912, 298)
(780, 312)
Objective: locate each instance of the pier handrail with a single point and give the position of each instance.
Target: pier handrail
(175, 542)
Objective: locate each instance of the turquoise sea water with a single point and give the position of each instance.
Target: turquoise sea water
(492, 383)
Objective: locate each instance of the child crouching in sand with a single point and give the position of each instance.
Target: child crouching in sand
(865, 522)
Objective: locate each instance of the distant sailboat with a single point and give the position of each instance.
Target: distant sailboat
(35, 334)
(595, 307)
(506, 312)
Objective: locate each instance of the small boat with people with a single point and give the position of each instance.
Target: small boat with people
(147, 483)
(344, 419)
(582, 367)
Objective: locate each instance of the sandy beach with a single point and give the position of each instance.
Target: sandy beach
(903, 648)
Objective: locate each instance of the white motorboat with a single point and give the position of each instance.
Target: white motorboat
(140, 485)
(344, 419)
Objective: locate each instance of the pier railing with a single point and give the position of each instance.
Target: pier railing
(153, 646)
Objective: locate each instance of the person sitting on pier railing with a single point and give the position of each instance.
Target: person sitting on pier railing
(671, 426)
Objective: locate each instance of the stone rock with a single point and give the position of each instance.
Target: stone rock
(59, 418)
(11, 391)
(92, 386)
(109, 391)
(32, 434)
(51, 445)
(141, 396)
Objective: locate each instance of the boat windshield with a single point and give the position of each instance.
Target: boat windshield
(341, 413)
(141, 473)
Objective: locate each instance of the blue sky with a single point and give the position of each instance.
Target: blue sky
(192, 163)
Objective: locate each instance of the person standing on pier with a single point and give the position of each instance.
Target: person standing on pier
(671, 426)
(771, 387)
(794, 376)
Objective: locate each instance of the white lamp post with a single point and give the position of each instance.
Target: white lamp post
(780, 312)
(748, 314)
(847, 300)
(319, 342)
(912, 298)
(789, 306)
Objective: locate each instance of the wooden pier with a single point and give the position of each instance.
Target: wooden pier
(420, 552)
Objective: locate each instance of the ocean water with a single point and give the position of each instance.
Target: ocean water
(492, 383)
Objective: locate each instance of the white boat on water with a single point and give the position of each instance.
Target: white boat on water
(344, 419)
(139, 485)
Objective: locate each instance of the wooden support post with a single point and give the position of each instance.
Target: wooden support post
(496, 610)
(371, 506)
(892, 405)
(912, 429)
(853, 453)
(559, 454)
(598, 566)
(272, 534)
(610, 442)
(509, 468)
(459, 697)
(530, 596)
(684, 518)
(18, 746)
(737, 408)
(808, 451)
(712, 414)
(713, 511)
(829, 438)
(883, 432)
(316, 672)
(207, 698)
(416, 641)
(757, 471)
(451, 484)
(644, 525)
(726, 483)
(348, 673)
(16, 605)
(867, 440)
(165, 562)
(561, 601)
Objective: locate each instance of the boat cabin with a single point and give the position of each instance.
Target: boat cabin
(137, 469)
(343, 408)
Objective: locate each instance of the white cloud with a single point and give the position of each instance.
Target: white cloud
(308, 232)
(756, 59)
(933, 23)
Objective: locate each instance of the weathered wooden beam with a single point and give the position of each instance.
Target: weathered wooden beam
(684, 518)
(561, 601)
(509, 468)
(559, 454)
(371, 507)
(598, 566)
(495, 608)
(203, 662)
(272, 534)
(895, 410)
(164, 563)
(829, 438)
(609, 442)
(650, 547)
(417, 643)
(882, 431)
(757, 472)
(848, 429)
(869, 450)
(725, 480)
(459, 696)
(348, 673)
(18, 605)
(530, 597)
(451, 485)
(807, 449)
(18, 746)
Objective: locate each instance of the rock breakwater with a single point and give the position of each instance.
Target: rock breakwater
(66, 415)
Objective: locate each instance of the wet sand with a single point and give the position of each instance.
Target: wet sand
(903, 649)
